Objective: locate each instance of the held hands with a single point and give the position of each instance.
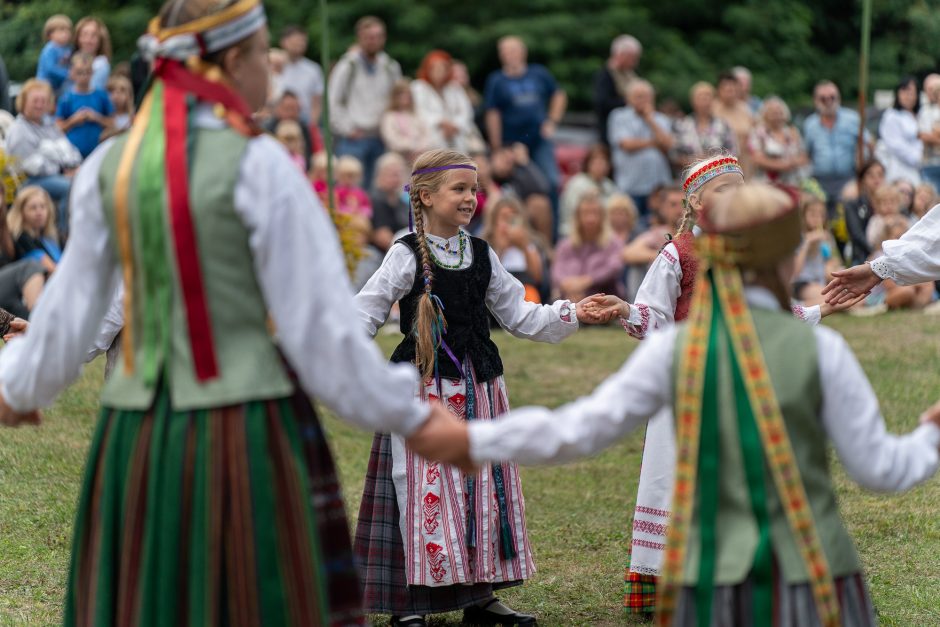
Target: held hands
(848, 285)
(443, 437)
(931, 414)
(11, 418)
(825, 309)
(602, 308)
(18, 326)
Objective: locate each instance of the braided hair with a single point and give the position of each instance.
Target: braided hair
(429, 319)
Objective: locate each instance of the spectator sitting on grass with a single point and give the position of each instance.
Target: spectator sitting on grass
(287, 107)
(517, 175)
(21, 280)
(507, 231)
(121, 92)
(588, 262)
(886, 205)
(84, 112)
(622, 216)
(925, 197)
(350, 197)
(391, 207)
(289, 133)
(594, 176)
(53, 64)
(32, 225)
(817, 257)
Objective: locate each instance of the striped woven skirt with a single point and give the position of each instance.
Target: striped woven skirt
(229, 516)
(431, 540)
(793, 605)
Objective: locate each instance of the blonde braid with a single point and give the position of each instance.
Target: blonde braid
(687, 223)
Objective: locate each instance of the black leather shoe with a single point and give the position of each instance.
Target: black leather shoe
(409, 621)
(474, 615)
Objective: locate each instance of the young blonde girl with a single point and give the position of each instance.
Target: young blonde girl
(289, 133)
(32, 224)
(817, 257)
(122, 97)
(431, 539)
(401, 129)
(92, 38)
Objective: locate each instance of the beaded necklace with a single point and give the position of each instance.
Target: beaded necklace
(446, 249)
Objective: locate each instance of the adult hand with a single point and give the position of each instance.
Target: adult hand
(848, 284)
(931, 414)
(18, 326)
(548, 129)
(606, 307)
(443, 437)
(11, 418)
(815, 237)
(518, 236)
(448, 129)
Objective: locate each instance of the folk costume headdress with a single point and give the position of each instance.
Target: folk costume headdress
(721, 164)
(721, 315)
(156, 156)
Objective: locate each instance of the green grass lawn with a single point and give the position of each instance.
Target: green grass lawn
(578, 514)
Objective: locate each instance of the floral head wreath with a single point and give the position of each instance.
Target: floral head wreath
(709, 170)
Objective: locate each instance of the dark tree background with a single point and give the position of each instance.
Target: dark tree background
(787, 44)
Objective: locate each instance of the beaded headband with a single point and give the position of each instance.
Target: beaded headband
(708, 171)
(205, 35)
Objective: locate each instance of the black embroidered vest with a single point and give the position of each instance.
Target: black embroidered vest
(463, 293)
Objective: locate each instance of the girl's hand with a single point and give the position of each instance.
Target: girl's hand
(443, 437)
(847, 285)
(11, 418)
(825, 309)
(605, 307)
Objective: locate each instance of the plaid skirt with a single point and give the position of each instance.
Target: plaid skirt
(228, 516)
(639, 591)
(381, 554)
(793, 605)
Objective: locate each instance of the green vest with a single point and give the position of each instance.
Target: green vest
(789, 348)
(250, 367)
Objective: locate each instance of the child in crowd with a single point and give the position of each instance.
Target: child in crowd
(429, 538)
(350, 197)
(53, 64)
(896, 296)
(817, 257)
(925, 197)
(622, 215)
(121, 92)
(318, 174)
(84, 112)
(755, 537)
(288, 132)
(32, 225)
(506, 230)
(402, 130)
(390, 206)
(92, 38)
(886, 203)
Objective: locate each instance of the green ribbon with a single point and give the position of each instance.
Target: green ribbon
(753, 453)
(153, 305)
(708, 460)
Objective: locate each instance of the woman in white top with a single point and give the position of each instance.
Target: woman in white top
(900, 148)
(443, 105)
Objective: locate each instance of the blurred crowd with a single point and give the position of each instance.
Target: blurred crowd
(566, 226)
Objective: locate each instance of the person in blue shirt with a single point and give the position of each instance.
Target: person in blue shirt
(524, 104)
(83, 113)
(831, 137)
(54, 59)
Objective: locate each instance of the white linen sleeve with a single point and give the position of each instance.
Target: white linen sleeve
(655, 304)
(111, 325)
(874, 458)
(626, 400)
(303, 278)
(505, 297)
(35, 367)
(915, 258)
(388, 285)
(810, 315)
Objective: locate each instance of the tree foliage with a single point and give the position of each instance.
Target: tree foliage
(787, 44)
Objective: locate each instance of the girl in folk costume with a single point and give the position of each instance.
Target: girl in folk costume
(664, 298)
(209, 496)
(755, 537)
(430, 538)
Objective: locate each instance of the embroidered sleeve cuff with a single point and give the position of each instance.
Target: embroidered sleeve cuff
(881, 268)
(637, 324)
(809, 315)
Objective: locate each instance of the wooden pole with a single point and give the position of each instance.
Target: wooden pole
(327, 132)
(863, 81)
